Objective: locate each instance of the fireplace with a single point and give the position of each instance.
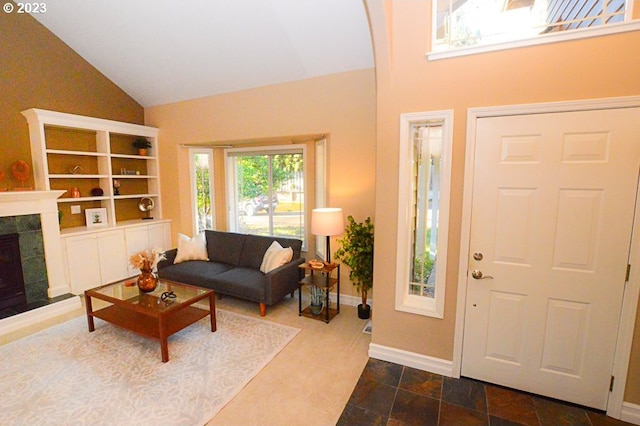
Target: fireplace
(34, 216)
(12, 289)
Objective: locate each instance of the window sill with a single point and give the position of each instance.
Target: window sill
(543, 39)
(421, 306)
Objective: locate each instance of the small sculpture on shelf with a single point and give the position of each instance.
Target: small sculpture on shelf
(116, 187)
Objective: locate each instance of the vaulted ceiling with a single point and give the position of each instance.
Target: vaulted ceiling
(162, 51)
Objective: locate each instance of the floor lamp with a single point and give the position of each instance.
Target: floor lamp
(327, 221)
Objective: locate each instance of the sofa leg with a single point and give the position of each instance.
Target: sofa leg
(263, 309)
(293, 293)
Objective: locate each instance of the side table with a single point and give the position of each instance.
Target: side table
(321, 277)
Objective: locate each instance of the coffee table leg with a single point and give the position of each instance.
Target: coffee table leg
(212, 311)
(164, 347)
(87, 302)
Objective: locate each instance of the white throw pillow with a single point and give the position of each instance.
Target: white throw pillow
(191, 248)
(275, 256)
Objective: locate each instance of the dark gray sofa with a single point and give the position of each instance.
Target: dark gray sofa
(233, 268)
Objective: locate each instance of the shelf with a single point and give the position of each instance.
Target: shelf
(319, 281)
(125, 197)
(81, 199)
(70, 176)
(306, 312)
(82, 153)
(133, 157)
(322, 279)
(101, 151)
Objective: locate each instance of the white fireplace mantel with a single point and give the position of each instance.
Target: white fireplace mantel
(18, 203)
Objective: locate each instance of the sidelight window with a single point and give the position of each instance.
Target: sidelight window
(423, 210)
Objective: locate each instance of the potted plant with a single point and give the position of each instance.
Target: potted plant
(317, 299)
(356, 252)
(142, 144)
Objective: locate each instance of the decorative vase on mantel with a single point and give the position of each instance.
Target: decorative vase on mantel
(147, 281)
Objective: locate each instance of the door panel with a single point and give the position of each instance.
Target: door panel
(552, 214)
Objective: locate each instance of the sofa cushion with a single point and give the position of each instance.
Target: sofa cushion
(242, 282)
(191, 248)
(197, 272)
(225, 247)
(255, 247)
(275, 256)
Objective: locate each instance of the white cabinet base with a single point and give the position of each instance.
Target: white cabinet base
(101, 257)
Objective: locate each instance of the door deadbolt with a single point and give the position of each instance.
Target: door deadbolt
(477, 274)
(477, 256)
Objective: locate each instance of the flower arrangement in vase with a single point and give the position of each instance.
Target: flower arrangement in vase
(146, 261)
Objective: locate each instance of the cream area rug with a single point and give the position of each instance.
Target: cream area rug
(67, 376)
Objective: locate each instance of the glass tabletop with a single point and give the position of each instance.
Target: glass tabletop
(166, 294)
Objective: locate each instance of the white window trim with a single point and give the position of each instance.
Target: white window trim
(192, 179)
(577, 34)
(405, 302)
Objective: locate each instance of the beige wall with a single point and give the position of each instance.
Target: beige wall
(408, 82)
(342, 106)
(37, 70)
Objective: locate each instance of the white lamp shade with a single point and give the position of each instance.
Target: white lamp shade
(327, 221)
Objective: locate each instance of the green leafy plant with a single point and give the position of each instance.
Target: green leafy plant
(356, 252)
(141, 143)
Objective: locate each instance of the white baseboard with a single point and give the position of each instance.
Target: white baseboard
(411, 359)
(630, 413)
(349, 300)
(25, 319)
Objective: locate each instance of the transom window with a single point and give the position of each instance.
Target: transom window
(465, 24)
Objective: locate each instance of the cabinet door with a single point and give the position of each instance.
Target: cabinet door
(137, 240)
(113, 256)
(160, 235)
(83, 262)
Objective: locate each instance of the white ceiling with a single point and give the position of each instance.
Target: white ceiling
(163, 51)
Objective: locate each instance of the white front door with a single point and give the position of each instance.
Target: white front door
(551, 223)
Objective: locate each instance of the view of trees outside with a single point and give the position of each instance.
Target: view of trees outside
(270, 194)
(203, 192)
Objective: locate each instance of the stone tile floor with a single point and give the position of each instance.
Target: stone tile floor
(395, 395)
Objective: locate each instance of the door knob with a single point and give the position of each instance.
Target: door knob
(477, 274)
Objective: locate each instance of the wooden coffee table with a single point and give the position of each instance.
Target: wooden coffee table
(148, 314)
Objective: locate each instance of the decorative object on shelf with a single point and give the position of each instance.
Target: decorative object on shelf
(146, 204)
(75, 169)
(327, 221)
(75, 192)
(96, 217)
(317, 299)
(116, 187)
(142, 144)
(21, 172)
(97, 192)
(127, 172)
(316, 264)
(357, 253)
(146, 261)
